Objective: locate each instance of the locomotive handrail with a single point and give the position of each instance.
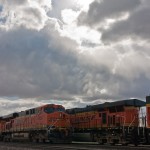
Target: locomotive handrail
(131, 123)
(49, 128)
(124, 119)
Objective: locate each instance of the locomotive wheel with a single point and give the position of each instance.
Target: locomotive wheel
(44, 141)
(100, 143)
(5, 139)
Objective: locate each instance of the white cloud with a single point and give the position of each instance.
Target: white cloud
(69, 16)
(9, 106)
(84, 36)
(75, 5)
(84, 4)
(29, 13)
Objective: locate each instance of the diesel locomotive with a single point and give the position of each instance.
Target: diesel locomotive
(48, 123)
(118, 122)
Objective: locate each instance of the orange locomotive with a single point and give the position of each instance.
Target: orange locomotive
(148, 110)
(46, 123)
(148, 118)
(113, 122)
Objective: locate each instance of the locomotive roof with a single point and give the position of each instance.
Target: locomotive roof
(127, 102)
(99, 107)
(148, 99)
(10, 116)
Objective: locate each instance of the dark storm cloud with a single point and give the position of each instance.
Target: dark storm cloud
(36, 63)
(100, 10)
(44, 64)
(14, 2)
(117, 72)
(137, 26)
(1, 8)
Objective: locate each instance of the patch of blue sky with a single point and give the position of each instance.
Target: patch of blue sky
(2, 20)
(1, 8)
(10, 98)
(52, 101)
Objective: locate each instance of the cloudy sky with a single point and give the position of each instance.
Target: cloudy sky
(73, 52)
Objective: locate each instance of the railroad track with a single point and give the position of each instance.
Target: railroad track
(74, 146)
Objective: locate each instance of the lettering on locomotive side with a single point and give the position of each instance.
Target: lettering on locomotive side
(20, 135)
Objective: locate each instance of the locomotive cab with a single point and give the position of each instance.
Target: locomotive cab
(58, 123)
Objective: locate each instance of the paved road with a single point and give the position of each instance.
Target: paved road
(81, 146)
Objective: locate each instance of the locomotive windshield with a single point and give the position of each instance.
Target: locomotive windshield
(51, 110)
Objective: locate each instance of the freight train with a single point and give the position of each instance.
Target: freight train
(48, 123)
(118, 122)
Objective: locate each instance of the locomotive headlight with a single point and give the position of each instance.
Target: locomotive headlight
(60, 115)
